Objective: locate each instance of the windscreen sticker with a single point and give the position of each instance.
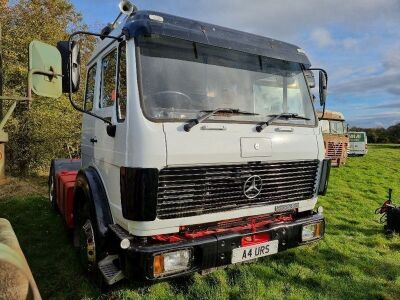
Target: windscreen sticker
(356, 137)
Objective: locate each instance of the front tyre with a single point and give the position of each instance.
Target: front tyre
(86, 242)
(87, 247)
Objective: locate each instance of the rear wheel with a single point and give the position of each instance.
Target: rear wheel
(52, 191)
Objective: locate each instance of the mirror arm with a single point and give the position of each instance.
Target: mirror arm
(87, 112)
(323, 112)
(118, 38)
(322, 70)
(70, 72)
(116, 20)
(326, 75)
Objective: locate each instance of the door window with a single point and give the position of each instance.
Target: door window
(109, 71)
(90, 87)
(325, 126)
(122, 83)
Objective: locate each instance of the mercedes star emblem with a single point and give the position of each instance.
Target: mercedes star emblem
(252, 187)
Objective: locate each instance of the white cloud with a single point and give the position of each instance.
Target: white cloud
(386, 82)
(383, 115)
(350, 43)
(322, 38)
(379, 125)
(375, 120)
(393, 105)
(285, 18)
(392, 59)
(395, 122)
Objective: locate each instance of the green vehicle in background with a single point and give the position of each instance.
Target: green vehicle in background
(358, 145)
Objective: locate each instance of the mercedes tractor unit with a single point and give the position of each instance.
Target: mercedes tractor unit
(336, 138)
(200, 146)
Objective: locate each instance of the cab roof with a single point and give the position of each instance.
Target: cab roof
(331, 115)
(151, 22)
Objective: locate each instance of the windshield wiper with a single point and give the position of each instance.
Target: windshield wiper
(210, 113)
(264, 125)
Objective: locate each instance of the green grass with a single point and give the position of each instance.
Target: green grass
(354, 261)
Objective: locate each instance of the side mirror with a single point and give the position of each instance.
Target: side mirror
(323, 87)
(71, 69)
(45, 71)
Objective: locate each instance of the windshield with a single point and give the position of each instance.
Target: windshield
(181, 79)
(356, 137)
(333, 127)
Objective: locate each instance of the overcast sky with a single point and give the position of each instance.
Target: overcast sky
(357, 42)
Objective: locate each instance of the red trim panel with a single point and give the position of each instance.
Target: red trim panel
(237, 225)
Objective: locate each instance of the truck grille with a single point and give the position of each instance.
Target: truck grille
(193, 191)
(335, 150)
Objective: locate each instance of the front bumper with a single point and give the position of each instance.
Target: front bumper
(211, 251)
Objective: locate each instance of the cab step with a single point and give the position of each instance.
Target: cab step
(111, 273)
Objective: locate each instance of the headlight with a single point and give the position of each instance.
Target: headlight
(311, 232)
(172, 262)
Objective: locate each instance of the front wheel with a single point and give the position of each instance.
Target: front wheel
(87, 247)
(86, 242)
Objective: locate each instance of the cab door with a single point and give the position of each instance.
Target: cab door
(109, 151)
(88, 122)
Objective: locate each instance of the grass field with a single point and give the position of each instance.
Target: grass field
(354, 261)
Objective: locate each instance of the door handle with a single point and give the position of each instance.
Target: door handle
(93, 140)
(284, 129)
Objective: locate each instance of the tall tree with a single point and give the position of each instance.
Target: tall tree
(1, 73)
(45, 130)
(3, 7)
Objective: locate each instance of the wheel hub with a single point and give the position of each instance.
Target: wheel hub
(88, 245)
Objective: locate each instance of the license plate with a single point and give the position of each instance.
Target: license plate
(254, 251)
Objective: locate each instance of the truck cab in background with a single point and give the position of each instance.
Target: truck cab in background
(200, 148)
(358, 143)
(336, 138)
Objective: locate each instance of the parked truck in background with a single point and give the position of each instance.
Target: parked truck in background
(336, 138)
(358, 143)
(200, 148)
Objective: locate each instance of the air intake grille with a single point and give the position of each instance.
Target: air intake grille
(193, 191)
(335, 150)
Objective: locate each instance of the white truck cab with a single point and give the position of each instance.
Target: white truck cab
(200, 148)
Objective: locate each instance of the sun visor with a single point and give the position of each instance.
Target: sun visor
(147, 22)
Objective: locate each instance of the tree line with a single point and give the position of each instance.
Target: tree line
(47, 128)
(381, 135)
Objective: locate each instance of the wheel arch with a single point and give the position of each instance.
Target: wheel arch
(89, 187)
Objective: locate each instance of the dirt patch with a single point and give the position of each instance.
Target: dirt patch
(13, 187)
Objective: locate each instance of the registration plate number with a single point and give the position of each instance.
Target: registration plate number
(254, 251)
